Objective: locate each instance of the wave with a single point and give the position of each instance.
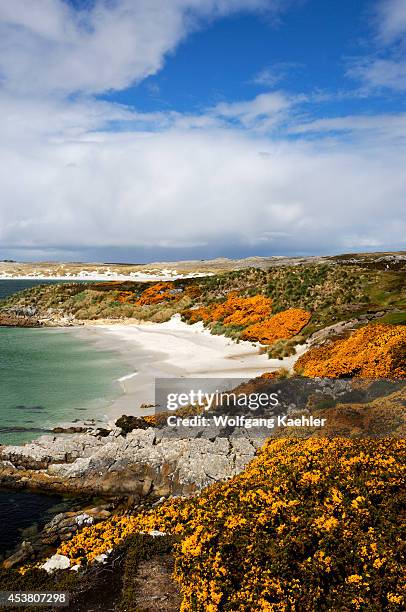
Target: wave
(128, 376)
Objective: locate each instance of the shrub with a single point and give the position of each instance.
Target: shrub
(283, 325)
(310, 525)
(284, 348)
(235, 310)
(160, 292)
(373, 351)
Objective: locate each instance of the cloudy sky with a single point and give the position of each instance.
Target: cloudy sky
(136, 130)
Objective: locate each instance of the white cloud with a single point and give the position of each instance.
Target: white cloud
(372, 128)
(381, 73)
(386, 69)
(78, 173)
(276, 72)
(47, 46)
(268, 77)
(263, 112)
(391, 19)
(182, 186)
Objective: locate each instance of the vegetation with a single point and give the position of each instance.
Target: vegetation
(373, 351)
(87, 301)
(312, 523)
(230, 302)
(284, 348)
(309, 525)
(285, 324)
(233, 311)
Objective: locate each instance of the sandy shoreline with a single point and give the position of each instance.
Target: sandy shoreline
(174, 349)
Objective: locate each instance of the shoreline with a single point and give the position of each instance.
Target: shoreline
(137, 277)
(174, 349)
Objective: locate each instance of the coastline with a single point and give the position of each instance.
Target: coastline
(174, 349)
(138, 277)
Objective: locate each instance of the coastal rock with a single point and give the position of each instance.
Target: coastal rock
(56, 562)
(9, 319)
(47, 450)
(129, 423)
(143, 463)
(22, 554)
(69, 430)
(65, 524)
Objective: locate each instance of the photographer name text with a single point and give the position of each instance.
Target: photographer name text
(245, 422)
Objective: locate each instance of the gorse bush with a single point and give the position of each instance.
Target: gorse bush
(285, 324)
(234, 311)
(373, 351)
(249, 318)
(310, 525)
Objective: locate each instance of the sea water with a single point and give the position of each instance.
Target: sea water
(51, 376)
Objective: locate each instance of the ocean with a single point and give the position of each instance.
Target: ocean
(20, 511)
(51, 376)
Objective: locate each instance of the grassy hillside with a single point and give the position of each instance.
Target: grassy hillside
(330, 292)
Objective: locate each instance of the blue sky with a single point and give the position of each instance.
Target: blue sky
(143, 129)
(305, 50)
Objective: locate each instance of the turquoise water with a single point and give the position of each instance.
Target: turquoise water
(49, 376)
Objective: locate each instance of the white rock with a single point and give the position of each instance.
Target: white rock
(84, 519)
(56, 562)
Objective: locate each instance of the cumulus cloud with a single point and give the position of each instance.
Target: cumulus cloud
(48, 46)
(182, 187)
(77, 173)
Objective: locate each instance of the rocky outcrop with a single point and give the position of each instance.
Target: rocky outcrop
(145, 463)
(24, 552)
(8, 319)
(62, 527)
(65, 524)
(342, 327)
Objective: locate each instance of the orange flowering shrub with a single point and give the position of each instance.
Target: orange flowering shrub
(126, 297)
(309, 525)
(373, 351)
(285, 324)
(160, 292)
(234, 311)
(280, 373)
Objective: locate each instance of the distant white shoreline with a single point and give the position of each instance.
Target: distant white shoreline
(164, 276)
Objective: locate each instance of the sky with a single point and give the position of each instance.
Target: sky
(146, 130)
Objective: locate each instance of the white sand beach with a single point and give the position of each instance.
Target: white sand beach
(175, 349)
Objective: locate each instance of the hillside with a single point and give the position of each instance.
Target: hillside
(357, 290)
(313, 520)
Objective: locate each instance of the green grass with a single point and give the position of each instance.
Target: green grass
(394, 318)
(332, 293)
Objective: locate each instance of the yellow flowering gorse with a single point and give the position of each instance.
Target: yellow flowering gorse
(310, 524)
